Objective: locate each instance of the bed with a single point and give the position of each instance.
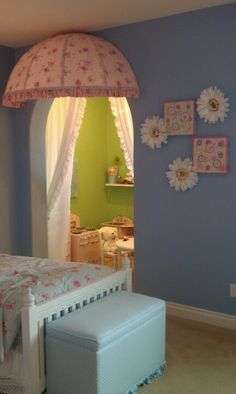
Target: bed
(33, 292)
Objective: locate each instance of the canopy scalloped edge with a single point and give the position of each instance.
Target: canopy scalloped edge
(75, 65)
(18, 99)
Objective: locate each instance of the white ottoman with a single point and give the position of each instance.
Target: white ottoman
(108, 347)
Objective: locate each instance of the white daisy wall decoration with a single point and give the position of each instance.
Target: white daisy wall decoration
(153, 132)
(212, 105)
(182, 175)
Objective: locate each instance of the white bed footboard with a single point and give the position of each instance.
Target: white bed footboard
(34, 318)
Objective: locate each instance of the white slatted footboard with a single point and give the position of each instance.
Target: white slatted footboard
(34, 318)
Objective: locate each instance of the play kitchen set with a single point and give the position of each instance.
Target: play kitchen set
(86, 242)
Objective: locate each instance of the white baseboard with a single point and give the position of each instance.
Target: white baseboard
(201, 315)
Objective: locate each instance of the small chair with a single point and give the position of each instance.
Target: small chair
(107, 254)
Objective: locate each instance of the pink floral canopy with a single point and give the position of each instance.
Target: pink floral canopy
(74, 64)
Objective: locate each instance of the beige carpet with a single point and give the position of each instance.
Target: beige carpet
(201, 359)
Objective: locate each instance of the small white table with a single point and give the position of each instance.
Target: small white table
(125, 245)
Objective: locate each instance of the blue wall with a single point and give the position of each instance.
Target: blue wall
(7, 195)
(22, 180)
(185, 242)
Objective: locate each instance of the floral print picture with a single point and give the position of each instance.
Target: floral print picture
(179, 117)
(210, 154)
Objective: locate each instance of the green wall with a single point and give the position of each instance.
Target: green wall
(96, 149)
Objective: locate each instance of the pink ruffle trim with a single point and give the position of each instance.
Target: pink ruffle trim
(18, 99)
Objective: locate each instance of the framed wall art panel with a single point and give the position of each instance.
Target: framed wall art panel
(210, 154)
(179, 117)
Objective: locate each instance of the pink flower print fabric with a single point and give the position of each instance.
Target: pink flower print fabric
(46, 278)
(76, 65)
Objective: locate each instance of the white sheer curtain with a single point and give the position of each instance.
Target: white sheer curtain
(124, 125)
(63, 125)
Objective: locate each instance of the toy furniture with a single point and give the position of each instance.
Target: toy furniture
(125, 246)
(123, 224)
(86, 247)
(108, 238)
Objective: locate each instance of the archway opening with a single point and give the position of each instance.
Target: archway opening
(39, 199)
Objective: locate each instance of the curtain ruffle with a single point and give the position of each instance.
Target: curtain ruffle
(121, 123)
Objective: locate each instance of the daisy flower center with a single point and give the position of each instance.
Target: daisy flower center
(155, 132)
(213, 105)
(181, 173)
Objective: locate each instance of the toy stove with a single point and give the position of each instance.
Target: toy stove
(86, 246)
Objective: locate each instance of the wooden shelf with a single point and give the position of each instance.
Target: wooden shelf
(118, 185)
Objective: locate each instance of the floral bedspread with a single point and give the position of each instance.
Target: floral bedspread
(47, 279)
